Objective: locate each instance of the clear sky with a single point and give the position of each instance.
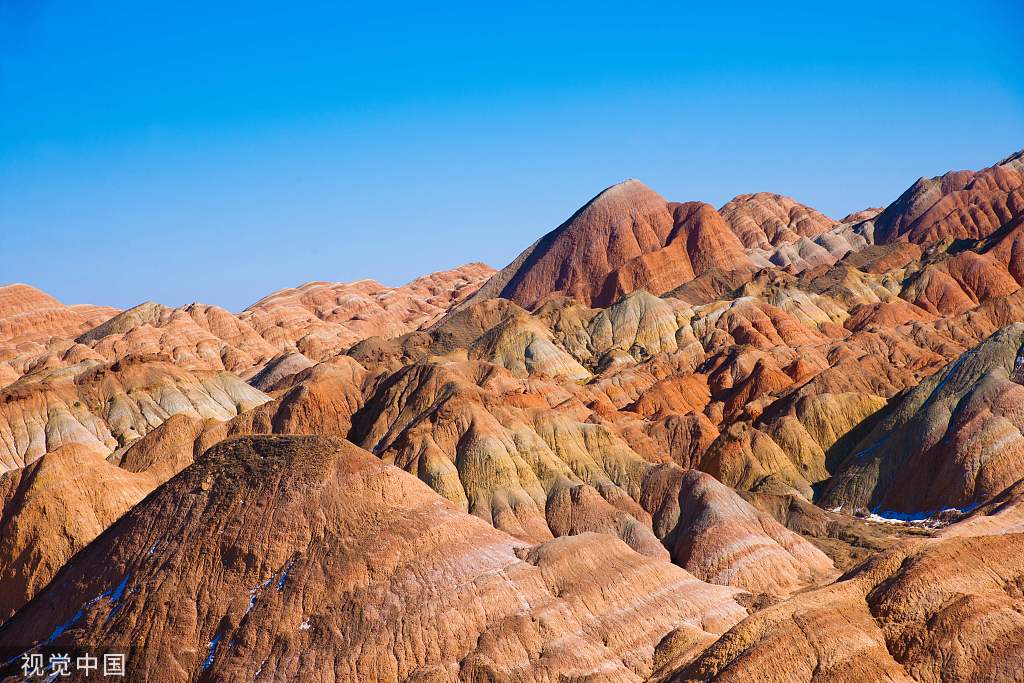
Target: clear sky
(217, 151)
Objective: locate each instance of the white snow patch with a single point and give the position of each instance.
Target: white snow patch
(208, 662)
(930, 519)
(254, 591)
(284, 576)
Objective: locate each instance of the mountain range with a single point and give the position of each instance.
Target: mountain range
(667, 442)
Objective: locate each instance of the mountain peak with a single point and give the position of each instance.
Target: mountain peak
(625, 238)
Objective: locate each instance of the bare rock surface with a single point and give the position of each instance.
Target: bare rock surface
(625, 238)
(667, 442)
(310, 558)
(27, 314)
(322, 318)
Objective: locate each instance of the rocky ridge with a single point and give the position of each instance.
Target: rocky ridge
(667, 442)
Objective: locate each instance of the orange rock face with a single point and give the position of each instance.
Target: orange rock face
(302, 588)
(27, 314)
(626, 238)
(961, 204)
(765, 220)
(940, 609)
(665, 443)
(107, 407)
(55, 506)
(727, 541)
(321, 318)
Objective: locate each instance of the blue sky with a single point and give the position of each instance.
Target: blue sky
(183, 152)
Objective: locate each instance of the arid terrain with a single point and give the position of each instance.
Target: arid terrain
(667, 442)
